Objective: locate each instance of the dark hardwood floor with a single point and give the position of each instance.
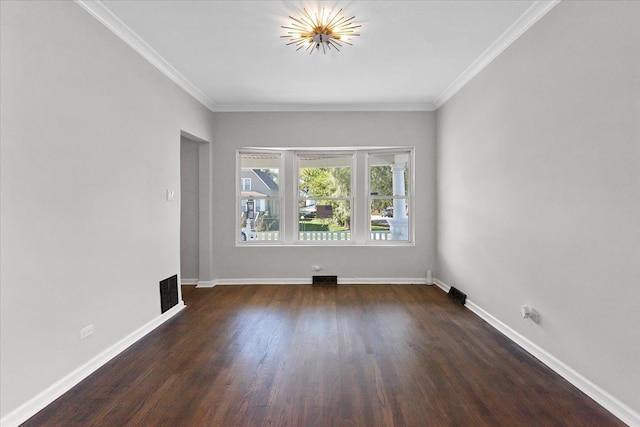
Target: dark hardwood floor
(364, 355)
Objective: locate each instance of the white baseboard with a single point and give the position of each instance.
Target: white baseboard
(383, 281)
(441, 285)
(606, 400)
(188, 281)
(41, 400)
(205, 284)
(307, 281)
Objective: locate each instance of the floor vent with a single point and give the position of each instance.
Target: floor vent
(457, 296)
(325, 280)
(168, 293)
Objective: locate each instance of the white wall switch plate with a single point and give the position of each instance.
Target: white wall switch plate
(86, 331)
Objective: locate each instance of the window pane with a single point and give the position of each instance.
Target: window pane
(384, 224)
(322, 175)
(324, 219)
(260, 174)
(259, 196)
(383, 169)
(381, 211)
(389, 195)
(259, 219)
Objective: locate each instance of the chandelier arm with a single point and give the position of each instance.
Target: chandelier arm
(352, 26)
(302, 24)
(318, 19)
(307, 25)
(346, 24)
(295, 28)
(330, 23)
(313, 24)
(339, 23)
(350, 19)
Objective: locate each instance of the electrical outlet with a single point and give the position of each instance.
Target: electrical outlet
(529, 313)
(86, 331)
(534, 315)
(315, 268)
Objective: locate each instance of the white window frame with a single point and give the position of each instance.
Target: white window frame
(359, 199)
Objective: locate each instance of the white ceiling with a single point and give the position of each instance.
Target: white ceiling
(411, 55)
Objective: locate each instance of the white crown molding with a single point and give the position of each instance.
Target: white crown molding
(532, 15)
(100, 12)
(605, 399)
(325, 107)
(42, 399)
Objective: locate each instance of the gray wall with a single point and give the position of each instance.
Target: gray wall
(90, 143)
(189, 211)
(235, 130)
(539, 189)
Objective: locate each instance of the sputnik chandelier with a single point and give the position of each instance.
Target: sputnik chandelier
(327, 30)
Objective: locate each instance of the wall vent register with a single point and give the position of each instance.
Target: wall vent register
(168, 293)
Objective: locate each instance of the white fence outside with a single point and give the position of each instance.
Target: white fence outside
(321, 235)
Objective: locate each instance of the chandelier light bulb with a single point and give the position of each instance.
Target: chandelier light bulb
(322, 30)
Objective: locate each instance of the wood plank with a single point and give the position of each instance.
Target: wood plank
(353, 355)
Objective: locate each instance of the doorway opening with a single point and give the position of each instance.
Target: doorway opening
(195, 211)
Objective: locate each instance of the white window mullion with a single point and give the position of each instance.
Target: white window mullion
(359, 215)
(291, 198)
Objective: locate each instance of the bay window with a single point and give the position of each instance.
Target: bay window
(325, 196)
